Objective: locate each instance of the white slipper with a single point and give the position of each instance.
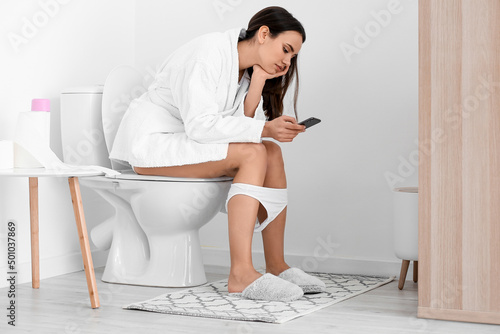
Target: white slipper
(308, 283)
(271, 288)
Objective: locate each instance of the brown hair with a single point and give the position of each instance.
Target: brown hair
(278, 20)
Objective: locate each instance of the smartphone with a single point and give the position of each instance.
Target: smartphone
(310, 122)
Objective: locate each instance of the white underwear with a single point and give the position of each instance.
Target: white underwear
(274, 200)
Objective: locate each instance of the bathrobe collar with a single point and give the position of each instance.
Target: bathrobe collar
(235, 34)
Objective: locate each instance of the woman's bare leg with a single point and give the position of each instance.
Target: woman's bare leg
(273, 235)
(238, 164)
(247, 163)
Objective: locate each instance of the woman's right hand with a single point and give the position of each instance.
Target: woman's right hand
(263, 75)
(283, 129)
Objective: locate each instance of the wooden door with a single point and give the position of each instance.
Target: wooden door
(459, 168)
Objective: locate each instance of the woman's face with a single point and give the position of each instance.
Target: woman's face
(275, 54)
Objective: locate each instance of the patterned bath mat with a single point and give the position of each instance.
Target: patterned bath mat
(212, 300)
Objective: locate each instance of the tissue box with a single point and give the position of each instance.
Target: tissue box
(6, 154)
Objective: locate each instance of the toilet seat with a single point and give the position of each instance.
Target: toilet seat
(131, 175)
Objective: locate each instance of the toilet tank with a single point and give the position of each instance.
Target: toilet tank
(82, 134)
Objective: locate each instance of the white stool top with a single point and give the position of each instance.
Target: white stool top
(41, 172)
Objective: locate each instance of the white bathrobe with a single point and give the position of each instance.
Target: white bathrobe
(193, 109)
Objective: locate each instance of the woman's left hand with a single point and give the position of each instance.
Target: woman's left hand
(259, 72)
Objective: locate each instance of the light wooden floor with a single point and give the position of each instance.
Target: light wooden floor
(61, 305)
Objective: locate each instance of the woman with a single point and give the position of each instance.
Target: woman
(204, 116)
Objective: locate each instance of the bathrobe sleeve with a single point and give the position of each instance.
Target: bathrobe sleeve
(194, 89)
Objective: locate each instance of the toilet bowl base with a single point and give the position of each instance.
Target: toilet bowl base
(155, 228)
(175, 261)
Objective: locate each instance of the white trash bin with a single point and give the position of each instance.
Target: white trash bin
(406, 230)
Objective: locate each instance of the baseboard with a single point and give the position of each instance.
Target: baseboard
(459, 315)
(219, 261)
(54, 266)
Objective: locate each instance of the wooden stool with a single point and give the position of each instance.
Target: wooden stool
(404, 271)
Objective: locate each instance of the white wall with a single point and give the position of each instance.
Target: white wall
(340, 203)
(56, 45)
(336, 171)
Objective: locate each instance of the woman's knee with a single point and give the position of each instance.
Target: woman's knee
(247, 153)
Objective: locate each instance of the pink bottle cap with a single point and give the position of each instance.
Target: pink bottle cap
(40, 105)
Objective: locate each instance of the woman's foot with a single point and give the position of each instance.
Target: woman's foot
(271, 288)
(240, 278)
(308, 283)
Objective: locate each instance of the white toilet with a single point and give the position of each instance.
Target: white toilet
(153, 235)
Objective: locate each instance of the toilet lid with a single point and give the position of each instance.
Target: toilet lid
(131, 175)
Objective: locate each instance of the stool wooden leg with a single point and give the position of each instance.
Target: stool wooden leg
(415, 271)
(76, 198)
(35, 266)
(402, 275)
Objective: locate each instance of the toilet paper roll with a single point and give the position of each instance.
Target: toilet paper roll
(36, 127)
(6, 154)
(35, 143)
